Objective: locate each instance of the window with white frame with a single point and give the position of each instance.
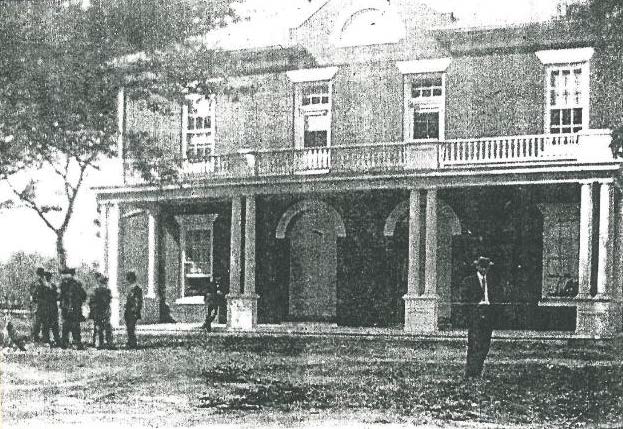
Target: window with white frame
(425, 107)
(567, 100)
(567, 86)
(315, 114)
(199, 126)
(425, 98)
(196, 253)
(312, 106)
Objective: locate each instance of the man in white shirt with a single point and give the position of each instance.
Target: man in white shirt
(478, 291)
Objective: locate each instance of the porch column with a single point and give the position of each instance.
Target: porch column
(599, 316)
(586, 240)
(242, 305)
(235, 249)
(431, 243)
(112, 241)
(413, 281)
(606, 234)
(421, 308)
(153, 220)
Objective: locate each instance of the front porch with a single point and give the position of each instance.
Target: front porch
(390, 260)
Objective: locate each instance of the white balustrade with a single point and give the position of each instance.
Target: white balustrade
(589, 147)
(512, 149)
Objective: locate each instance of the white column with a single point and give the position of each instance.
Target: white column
(102, 209)
(120, 122)
(249, 247)
(414, 244)
(586, 240)
(606, 233)
(235, 242)
(618, 266)
(153, 217)
(113, 251)
(431, 243)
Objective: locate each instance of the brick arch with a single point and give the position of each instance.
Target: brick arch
(310, 206)
(402, 210)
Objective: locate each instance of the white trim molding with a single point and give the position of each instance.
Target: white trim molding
(435, 65)
(565, 56)
(312, 75)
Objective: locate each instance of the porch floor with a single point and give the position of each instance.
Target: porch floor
(333, 329)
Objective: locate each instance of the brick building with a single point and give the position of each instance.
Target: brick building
(361, 163)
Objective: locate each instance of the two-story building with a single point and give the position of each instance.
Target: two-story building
(362, 162)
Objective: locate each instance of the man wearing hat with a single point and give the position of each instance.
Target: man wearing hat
(50, 322)
(37, 306)
(72, 296)
(479, 293)
(133, 307)
(100, 312)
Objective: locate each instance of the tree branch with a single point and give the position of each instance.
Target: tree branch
(32, 205)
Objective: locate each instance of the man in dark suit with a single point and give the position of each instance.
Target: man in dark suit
(72, 296)
(133, 307)
(480, 293)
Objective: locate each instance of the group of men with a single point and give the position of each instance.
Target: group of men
(70, 297)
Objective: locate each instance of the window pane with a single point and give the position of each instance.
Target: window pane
(437, 92)
(555, 117)
(426, 93)
(315, 139)
(566, 116)
(426, 125)
(325, 99)
(577, 116)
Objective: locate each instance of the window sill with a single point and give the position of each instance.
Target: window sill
(190, 300)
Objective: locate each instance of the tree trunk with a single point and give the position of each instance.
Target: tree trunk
(61, 254)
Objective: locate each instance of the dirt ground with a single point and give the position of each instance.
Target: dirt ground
(218, 380)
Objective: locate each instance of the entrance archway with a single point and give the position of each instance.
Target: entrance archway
(312, 228)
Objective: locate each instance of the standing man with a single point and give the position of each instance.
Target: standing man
(100, 313)
(133, 307)
(50, 323)
(37, 307)
(72, 297)
(211, 301)
(479, 292)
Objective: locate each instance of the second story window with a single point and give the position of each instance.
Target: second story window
(567, 87)
(426, 108)
(315, 114)
(566, 99)
(425, 98)
(199, 126)
(312, 106)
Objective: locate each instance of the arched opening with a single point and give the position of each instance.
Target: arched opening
(311, 228)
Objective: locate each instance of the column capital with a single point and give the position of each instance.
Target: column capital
(587, 181)
(608, 181)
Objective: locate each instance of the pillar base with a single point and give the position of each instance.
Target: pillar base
(242, 312)
(421, 313)
(598, 318)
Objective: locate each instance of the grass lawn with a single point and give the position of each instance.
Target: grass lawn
(199, 379)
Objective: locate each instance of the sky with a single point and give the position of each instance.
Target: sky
(21, 229)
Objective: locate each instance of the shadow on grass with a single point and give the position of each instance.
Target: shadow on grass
(542, 395)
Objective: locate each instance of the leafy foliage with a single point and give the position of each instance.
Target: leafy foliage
(59, 76)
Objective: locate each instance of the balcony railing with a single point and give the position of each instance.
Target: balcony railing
(507, 151)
